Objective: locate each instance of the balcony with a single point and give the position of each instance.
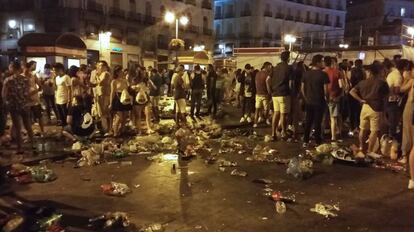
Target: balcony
(279, 16)
(289, 17)
(190, 2)
(245, 35)
(268, 35)
(229, 15)
(298, 19)
(136, 17)
(46, 4)
(17, 5)
(206, 5)
(268, 13)
(193, 29)
(340, 7)
(162, 45)
(230, 36)
(327, 23)
(207, 31)
(116, 12)
(339, 25)
(93, 6)
(245, 13)
(149, 20)
(218, 16)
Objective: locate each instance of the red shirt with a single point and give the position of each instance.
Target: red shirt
(261, 88)
(333, 87)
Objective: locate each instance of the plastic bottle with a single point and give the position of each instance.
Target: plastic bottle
(280, 207)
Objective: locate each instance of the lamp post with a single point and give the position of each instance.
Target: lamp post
(170, 17)
(290, 39)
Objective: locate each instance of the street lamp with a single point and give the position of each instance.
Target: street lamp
(290, 39)
(344, 46)
(104, 40)
(170, 18)
(12, 23)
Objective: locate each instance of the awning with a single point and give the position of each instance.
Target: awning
(191, 57)
(51, 44)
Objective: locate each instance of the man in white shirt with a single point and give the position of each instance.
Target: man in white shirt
(102, 90)
(394, 81)
(63, 92)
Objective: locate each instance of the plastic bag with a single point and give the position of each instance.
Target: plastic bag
(300, 168)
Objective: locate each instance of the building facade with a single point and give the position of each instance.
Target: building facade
(379, 22)
(137, 29)
(263, 23)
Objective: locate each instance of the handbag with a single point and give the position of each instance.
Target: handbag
(125, 98)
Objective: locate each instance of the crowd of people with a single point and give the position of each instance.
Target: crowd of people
(348, 98)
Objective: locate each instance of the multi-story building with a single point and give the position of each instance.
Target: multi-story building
(138, 30)
(263, 23)
(378, 22)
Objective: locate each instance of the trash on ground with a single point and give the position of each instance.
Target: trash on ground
(115, 189)
(300, 168)
(226, 163)
(10, 223)
(110, 220)
(23, 174)
(155, 227)
(279, 196)
(326, 210)
(280, 207)
(236, 172)
(262, 181)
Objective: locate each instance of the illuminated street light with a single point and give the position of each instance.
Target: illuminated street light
(344, 46)
(410, 30)
(169, 17)
(199, 48)
(290, 39)
(104, 40)
(12, 23)
(184, 20)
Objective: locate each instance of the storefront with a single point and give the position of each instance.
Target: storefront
(50, 48)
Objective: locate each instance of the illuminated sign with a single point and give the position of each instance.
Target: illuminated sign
(117, 49)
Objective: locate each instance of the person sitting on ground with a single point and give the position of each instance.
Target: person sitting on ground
(79, 121)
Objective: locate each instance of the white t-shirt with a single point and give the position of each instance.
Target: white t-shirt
(394, 79)
(63, 84)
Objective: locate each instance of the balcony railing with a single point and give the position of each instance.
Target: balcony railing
(268, 35)
(191, 2)
(298, 19)
(218, 16)
(245, 35)
(116, 12)
(149, 20)
(229, 15)
(245, 13)
(327, 23)
(230, 36)
(206, 5)
(134, 16)
(268, 13)
(338, 24)
(279, 16)
(207, 31)
(289, 17)
(94, 6)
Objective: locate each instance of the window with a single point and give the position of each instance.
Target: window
(326, 17)
(307, 16)
(267, 28)
(230, 29)
(246, 27)
(205, 22)
(402, 12)
(116, 4)
(148, 8)
(218, 29)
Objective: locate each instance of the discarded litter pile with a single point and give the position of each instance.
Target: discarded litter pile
(24, 174)
(115, 189)
(326, 210)
(110, 220)
(300, 168)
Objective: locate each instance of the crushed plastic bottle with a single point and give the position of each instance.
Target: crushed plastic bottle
(280, 207)
(326, 210)
(226, 163)
(115, 189)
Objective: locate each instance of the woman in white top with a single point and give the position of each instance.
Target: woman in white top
(63, 91)
(140, 86)
(120, 107)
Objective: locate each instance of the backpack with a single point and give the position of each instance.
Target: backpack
(125, 98)
(142, 97)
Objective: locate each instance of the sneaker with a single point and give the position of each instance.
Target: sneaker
(374, 155)
(249, 119)
(268, 122)
(403, 160)
(242, 120)
(260, 120)
(255, 125)
(411, 184)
